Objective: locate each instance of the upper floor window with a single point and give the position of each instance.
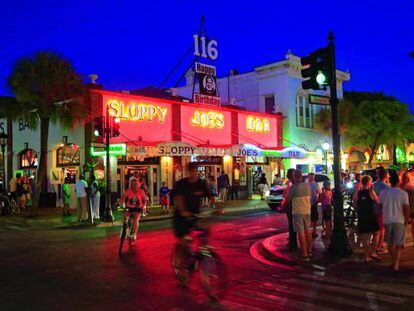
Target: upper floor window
(269, 104)
(304, 112)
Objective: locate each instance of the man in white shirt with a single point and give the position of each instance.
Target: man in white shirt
(80, 189)
(395, 209)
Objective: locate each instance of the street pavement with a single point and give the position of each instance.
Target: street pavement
(78, 269)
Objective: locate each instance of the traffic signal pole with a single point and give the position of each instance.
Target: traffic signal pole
(339, 242)
(107, 216)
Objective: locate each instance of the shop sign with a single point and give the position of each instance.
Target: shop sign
(136, 111)
(114, 150)
(206, 99)
(208, 119)
(293, 152)
(258, 125)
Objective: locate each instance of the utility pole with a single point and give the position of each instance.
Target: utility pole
(108, 209)
(339, 243)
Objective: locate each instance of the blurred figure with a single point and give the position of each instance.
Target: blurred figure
(165, 198)
(380, 185)
(262, 184)
(277, 181)
(213, 191)
(143, 186)
(287, 206)
(80, 189)
(315, 192)
(66, 197)
(407, 185)
(326, 202)
(299, 197)
(395, 204)
(95, 198)
(223, 184)
(365, 201)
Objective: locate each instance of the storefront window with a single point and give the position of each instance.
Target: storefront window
(68, 155)
(27, 159)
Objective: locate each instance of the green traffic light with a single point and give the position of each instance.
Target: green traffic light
(321, 78)
(96, 132)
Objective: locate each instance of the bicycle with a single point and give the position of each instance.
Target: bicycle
(8, 205)
(126, 230)
(186, 260)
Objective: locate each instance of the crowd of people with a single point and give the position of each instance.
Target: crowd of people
(385, 208)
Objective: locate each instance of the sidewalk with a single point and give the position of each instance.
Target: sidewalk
(274, 250)
(51, 218)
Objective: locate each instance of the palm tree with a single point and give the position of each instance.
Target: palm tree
(47, 90)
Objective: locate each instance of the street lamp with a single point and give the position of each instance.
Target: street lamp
(326, 146)
(3, 144)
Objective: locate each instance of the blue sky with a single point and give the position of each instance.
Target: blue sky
(132, 44)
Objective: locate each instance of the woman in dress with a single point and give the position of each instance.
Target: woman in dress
(408, 186)
(365, 201)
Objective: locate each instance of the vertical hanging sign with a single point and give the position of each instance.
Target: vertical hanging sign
(207, 78)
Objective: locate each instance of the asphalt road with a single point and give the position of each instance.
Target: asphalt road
(80, 270)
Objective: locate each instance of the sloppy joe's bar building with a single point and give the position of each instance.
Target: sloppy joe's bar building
(159, 137)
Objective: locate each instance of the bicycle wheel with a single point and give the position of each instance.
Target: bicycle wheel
(179, 263)
(213, 276)
(122, 238)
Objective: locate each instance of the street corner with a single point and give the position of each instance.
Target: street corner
(274, 251)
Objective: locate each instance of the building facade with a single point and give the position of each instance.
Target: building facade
(276, 88)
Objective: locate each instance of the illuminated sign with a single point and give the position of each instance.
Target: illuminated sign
(258, 125)
(136, 111)
(114, 150)
(209, 119)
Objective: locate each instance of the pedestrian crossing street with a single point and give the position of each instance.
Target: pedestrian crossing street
(315, 291)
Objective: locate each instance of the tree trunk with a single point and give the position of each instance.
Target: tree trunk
(41, 182)
(394, 155)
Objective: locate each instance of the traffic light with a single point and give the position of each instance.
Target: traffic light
(318, 70)
(98, 126)
(116, 123)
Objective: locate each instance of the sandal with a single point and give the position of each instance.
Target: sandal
(368, 260)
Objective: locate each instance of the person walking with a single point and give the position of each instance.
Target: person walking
(287, 207)
(299, 196)
(80, 190)
(165, 198)
(315, 192)
(95, 198)
(223, 185)
(380, 185)
(407, 185)
(365, 201)
(396, 214)
(143, 186)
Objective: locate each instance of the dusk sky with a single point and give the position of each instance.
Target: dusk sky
(133, 44)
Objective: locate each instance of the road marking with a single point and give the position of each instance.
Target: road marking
(383, 288)
(283, 301)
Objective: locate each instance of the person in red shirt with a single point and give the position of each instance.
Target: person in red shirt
(135, 200)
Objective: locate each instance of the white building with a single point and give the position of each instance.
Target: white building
(276, 87)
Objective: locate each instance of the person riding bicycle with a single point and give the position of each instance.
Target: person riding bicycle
(135, 199)
(188, 195)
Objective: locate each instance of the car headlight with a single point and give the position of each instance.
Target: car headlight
(267, 193)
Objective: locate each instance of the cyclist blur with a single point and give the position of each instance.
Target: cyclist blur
(188, 197)
(135, 200)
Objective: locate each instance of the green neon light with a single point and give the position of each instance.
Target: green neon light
(114, 150)
(271, 153)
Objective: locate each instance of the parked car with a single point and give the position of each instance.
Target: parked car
(274, 199)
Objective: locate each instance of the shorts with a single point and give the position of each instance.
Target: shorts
(183, 226)
(134, 210)
(164, 201)
(327, 213)
(395, 234)
(301, 222)
(314, 213)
